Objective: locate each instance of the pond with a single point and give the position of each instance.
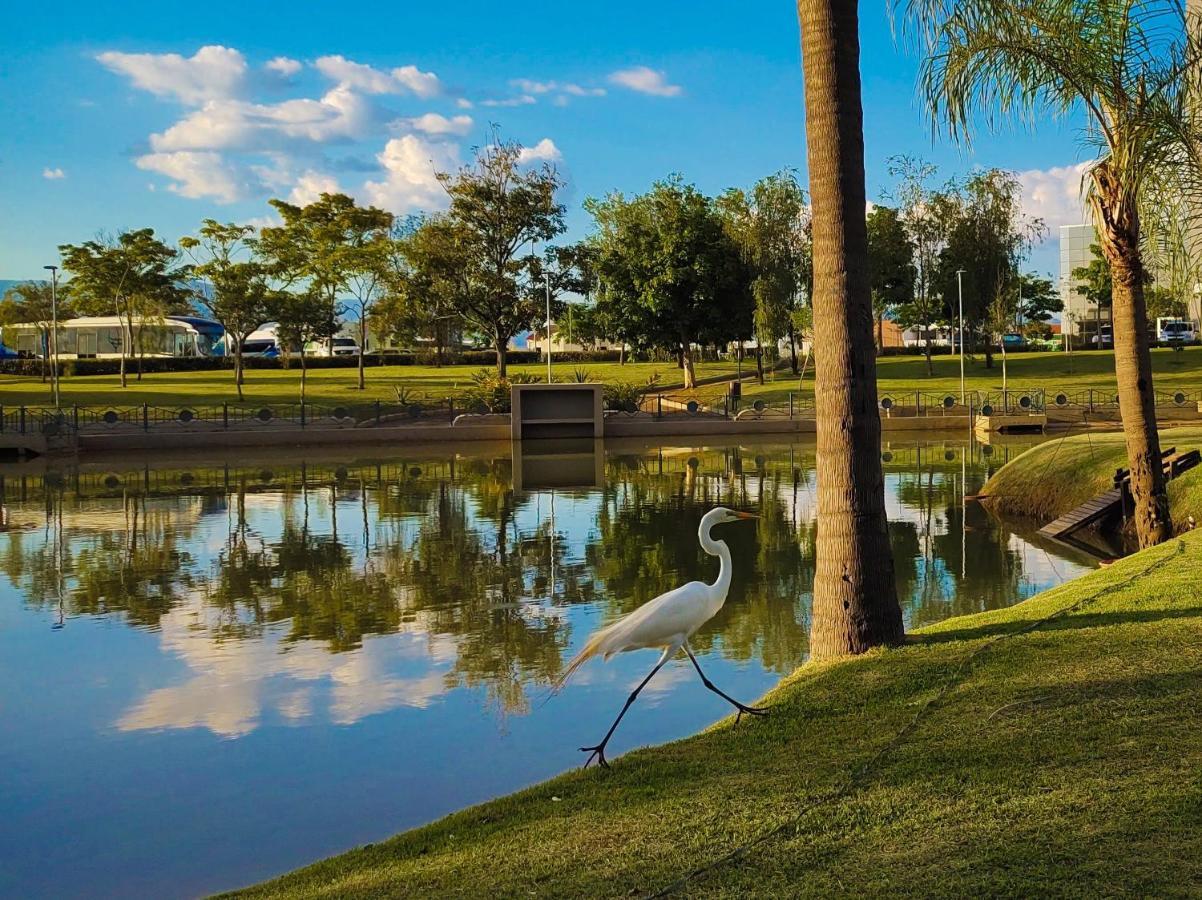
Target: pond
(216, 670)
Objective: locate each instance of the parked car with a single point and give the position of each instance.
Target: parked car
(1013, 341)
(5, 353)
(1175, 331)
(339, 346)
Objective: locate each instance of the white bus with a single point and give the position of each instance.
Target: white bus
(101, 337)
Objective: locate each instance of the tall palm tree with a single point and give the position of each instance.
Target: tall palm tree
(855, 598)
(1122, 64)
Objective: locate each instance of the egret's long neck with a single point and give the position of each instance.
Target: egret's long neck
(719, 549)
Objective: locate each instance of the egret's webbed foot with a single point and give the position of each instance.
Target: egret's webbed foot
(750, 710)
(597, 753)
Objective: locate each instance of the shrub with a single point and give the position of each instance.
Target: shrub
(489, 392)
(624, 396)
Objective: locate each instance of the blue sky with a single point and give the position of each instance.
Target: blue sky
(161, 115)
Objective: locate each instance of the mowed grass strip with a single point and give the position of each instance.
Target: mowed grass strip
(898, 376)
(1055, 757)
(325, 386)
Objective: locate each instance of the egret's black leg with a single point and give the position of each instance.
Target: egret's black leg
(598, 752)
(742, 708)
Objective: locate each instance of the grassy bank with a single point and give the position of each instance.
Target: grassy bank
(1050, 479)
(1051, 748)
(899, 376)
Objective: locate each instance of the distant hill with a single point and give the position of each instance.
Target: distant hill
(6, 283)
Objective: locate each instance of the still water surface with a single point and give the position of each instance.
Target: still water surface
(213, 672)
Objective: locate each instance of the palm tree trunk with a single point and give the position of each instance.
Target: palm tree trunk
(855, 597)
(1118, 233)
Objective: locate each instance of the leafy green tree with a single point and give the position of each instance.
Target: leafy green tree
(428, 277)
(1131, 70)
(333, 247)
(1095, 285)
(1038, 299)
(302, 318)
(988, 236)
(133, 276)
(31, 303)
(500, 205)
(769, 224)
(668, 267)
(922, 210)
(228, 284)
(891, 270)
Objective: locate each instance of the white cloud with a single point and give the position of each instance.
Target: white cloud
(235, 124)
(310, 186)
(283, 66)
(53, 174)
(410, 166)
(529, 86)
(464, 103)
(1054, 195)
(196, 175)
(212, 72)
(433, 123)
(523, 100)
(544, 151)
(404, 79)
(646, 81)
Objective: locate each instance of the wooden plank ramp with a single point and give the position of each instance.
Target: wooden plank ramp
(1085, 514)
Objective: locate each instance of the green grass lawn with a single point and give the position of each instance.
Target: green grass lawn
(901, 376)
(1054, 477)
(1052, 748)
(898, 376)
(324, 385)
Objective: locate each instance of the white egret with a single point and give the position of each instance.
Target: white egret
(668, 621)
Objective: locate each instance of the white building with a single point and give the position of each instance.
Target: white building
(1079, 314)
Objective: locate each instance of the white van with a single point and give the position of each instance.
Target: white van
(338, 346)
(1173, 330)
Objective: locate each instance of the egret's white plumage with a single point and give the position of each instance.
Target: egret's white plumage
(668, 621)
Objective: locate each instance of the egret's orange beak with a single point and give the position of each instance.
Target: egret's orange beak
(743, 515)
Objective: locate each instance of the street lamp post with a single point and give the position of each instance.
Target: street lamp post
(54, 332)
(960, 289)
(547, 282)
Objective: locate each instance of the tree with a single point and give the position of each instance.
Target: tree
(333, 246)
(233, 291)
(922, 213)
(670, 271)
(891, 270)
(1037, 300)
(499, 205)
(855, 594)
(428, 278)
(32, 302)
(987, 238)
(1095, 286)
(770, 225)
(302, 318)
(1130, 69)
(133, 276)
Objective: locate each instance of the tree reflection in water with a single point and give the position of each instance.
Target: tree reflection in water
(443, 549)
